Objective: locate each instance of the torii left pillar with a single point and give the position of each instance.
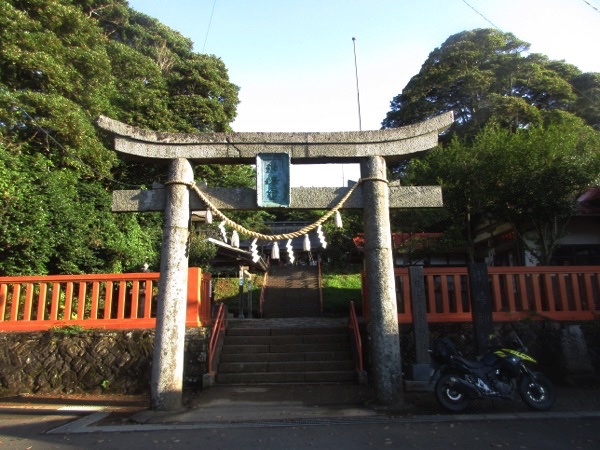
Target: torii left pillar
(167, 366)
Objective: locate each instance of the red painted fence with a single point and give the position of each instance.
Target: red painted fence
(537, 293)
(113, 301)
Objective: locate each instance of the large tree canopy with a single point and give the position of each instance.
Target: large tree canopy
(485, 76)
(63, 63)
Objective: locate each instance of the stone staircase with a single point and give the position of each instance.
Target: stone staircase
(292, 344)
(292, 291)
(263, 351)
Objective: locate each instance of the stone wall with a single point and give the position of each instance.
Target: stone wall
(69, 361)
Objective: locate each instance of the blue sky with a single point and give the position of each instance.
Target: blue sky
(294, 60)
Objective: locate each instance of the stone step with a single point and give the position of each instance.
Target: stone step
(284, 339)
(286, 366)
(268, 357)
(238, 329)
(285, 348)
(292, 292)
(286, 377)
(286, 351)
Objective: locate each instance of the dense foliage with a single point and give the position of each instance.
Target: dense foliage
(63, 63)
(528, 178)
(487, 76)
(524, 145)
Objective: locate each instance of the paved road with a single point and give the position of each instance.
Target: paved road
(31, 431)
(296, 417)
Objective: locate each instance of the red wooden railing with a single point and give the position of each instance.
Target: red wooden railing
(556, 293)
(263, 289)
(355, 329)
(112, 301)
(320, 283)
(215, 338)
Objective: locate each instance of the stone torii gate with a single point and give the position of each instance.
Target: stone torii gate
(372, 149)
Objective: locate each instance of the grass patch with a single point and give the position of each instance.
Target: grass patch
(338, 291)
(227, 291)
(68, 329)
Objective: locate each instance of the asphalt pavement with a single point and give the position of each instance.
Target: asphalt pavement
(283, 405)
(264, 417)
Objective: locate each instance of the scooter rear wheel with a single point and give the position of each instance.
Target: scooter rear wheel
(448, 396)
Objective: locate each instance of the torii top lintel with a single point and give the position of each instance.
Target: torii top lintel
(393, 144)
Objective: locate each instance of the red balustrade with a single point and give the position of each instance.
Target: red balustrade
(537, 293)
(109, 301)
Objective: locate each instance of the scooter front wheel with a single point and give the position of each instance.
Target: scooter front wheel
(448, 396)
(537, 392)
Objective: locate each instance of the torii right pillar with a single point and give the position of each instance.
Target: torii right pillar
(379, 267)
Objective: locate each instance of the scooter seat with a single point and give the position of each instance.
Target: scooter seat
(468, 363)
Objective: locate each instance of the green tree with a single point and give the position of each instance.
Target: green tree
(202, 95)
(23, 216)
(535, 176)
(63, 63)
(488, 76)
(457, 169)
(587, 106)
(529, 178)
(427, 220)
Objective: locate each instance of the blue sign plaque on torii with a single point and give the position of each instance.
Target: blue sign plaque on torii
(273, 180)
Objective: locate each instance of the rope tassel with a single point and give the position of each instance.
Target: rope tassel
(306, 243)
(235, 239)
(338, 220)
(275, 251)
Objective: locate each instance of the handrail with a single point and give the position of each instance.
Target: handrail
(263, 288)
(218, 329)
(320, 280)
(353, 325)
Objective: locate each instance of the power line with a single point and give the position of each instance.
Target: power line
(357, 90)
(591, 6)
(209, 24)
(484, 18)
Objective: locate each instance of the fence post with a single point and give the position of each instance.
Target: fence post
(420, 370)
(193, 297)
(206, 304)
(481, 306)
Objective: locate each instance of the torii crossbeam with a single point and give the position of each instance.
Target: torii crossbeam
(372, 149)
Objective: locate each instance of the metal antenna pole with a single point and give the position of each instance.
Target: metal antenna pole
(357, 90)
